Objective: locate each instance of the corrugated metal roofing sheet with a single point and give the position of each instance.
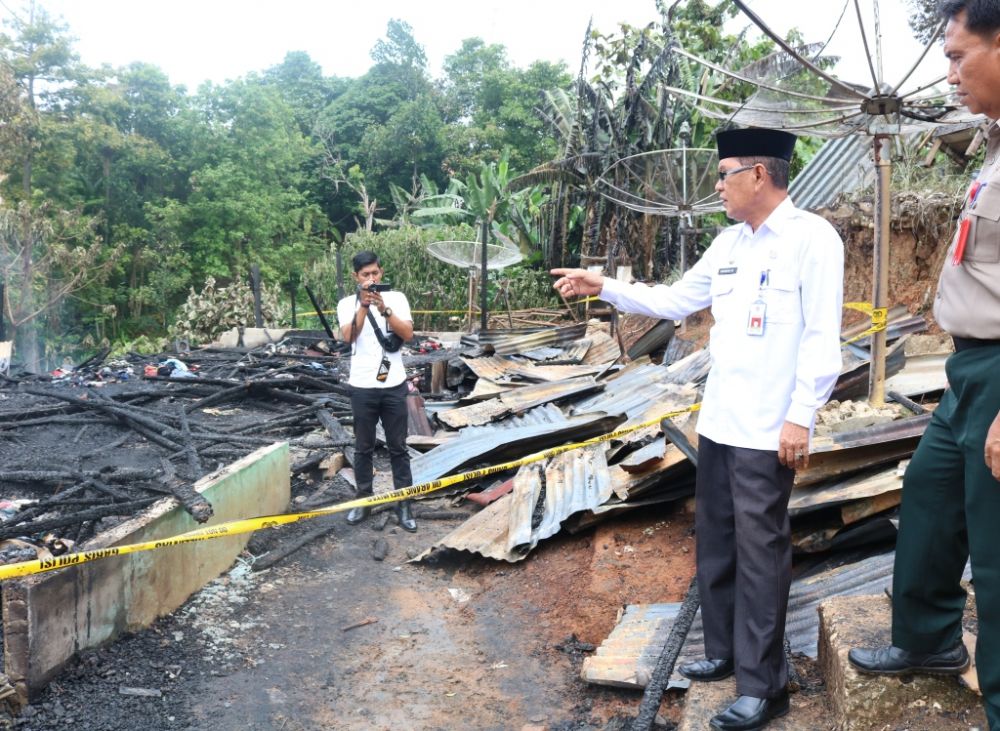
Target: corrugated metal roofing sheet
(517, 401)
(505, 368)
(603, 348)
(634, 388)
(507, 529)
(629, 655)
(536, 430)
(842, 165)
(922, 374)
(507, 342)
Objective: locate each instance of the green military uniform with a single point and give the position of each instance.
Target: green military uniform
(951, 501)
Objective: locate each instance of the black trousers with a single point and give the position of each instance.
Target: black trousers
(388, 405)
(744, 561)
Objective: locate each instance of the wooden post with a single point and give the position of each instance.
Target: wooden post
(258, 317)
(292, 290)
(439, 370)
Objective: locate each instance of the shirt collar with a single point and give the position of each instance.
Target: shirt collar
(775, 222)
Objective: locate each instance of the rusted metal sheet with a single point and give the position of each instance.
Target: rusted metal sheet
(627, 658)
(504, 370)
(531, 432)
(856, 487)
(848, 452)
(573, 481)
(603, 348)
(496, 368)
(515, 341)
(869, 506)
(551, 373)
(506, 531)
(571, 353)
(485, 388)
(517, 401)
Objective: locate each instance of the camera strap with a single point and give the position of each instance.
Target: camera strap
(378, 332)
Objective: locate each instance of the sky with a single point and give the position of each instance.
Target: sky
(217, 40)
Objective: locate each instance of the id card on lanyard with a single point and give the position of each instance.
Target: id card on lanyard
(758, 310)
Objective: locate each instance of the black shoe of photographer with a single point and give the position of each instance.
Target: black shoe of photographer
(405, 514)
(356, 515)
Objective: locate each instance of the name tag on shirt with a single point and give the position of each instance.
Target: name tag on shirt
(755, 321)
(727, 270)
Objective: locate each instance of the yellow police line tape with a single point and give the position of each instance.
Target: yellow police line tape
(444, 312)
(879, 316)
(236, 527)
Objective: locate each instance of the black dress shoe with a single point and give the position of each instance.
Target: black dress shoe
(749, 713)
(356, 515)
(895, 661)
(706, 670)
(405, 515)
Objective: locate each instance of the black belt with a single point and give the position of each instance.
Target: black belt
(968, 343)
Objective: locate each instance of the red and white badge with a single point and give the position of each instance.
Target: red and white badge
(755, 321)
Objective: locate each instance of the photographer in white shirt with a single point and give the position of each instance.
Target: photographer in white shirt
(376, 321)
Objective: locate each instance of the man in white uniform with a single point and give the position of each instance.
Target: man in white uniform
(378, 380)
(775, 286)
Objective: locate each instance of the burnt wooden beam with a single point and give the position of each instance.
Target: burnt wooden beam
(190, 499)
(119, 475)
(103, 511)
(194, 463)
(334, 428)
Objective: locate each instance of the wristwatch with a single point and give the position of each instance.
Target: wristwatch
(387, 313)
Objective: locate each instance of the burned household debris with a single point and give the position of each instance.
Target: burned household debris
(541, 430)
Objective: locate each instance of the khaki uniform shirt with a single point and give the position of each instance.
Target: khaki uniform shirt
(968, 295)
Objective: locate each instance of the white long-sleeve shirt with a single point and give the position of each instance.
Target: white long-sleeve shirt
(794, 263)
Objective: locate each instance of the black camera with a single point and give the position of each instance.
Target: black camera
(376, 287)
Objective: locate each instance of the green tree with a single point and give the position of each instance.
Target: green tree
(245, 205)
(490, 106)
(38, 51)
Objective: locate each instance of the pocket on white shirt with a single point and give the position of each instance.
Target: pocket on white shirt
(782, 297)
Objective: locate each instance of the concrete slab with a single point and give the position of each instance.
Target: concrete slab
(862, 702)
(47, 618)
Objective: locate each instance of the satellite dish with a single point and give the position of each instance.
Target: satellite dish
(672, 182)
(792, 90)
(469, 254)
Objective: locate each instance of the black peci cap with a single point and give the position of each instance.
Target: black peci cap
(755, 143)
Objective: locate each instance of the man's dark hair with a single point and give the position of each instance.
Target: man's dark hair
(363, 259)
(775, 166)
(981, 16)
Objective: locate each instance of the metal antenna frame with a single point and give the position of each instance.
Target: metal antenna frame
(878, 113)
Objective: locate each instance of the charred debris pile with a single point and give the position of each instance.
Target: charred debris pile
(88, 446)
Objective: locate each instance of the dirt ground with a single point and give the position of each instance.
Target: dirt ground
(455, 642)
